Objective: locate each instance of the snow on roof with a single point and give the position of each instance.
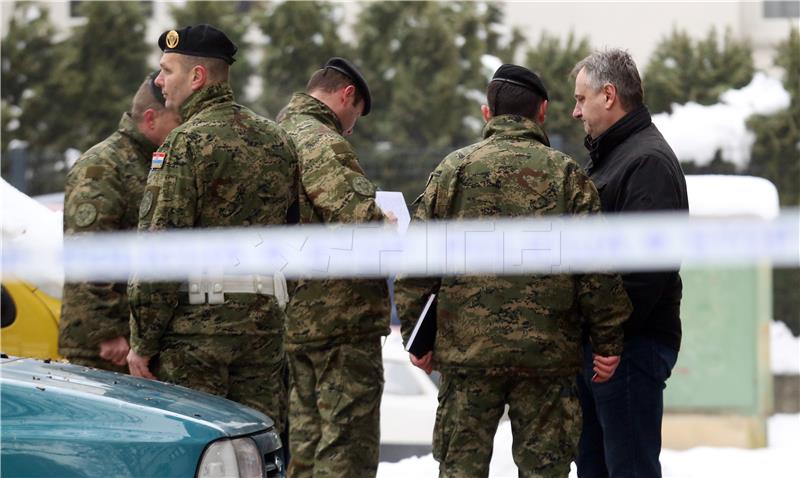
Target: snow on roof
(721, 195)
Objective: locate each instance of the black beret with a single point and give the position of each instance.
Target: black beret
(199, 40)
(349, 70)
(157, 94)
(521, 76)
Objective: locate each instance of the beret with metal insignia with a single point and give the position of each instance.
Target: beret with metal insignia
(349, 70)
(521, 76)
(198, 40)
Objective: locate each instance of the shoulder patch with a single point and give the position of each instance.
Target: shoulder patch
(146, 204)
(362, 186)
(158, 160)
(85, 214)
(94, 172)
(340, 148)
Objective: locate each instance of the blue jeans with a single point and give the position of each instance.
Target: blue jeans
(621, 436)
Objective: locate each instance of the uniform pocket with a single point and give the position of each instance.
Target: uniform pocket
(441, 428)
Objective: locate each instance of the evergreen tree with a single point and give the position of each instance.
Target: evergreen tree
(96, 78)
(301, 37)
(69, 94)
(423, 63)
(553, 61)
(233, 19)
(681, 70)
(28, 54)
(776, 156)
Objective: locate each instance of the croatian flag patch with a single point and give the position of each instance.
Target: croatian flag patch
(158, 160)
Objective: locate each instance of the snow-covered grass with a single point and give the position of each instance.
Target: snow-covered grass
(784, 350)
(779, 460)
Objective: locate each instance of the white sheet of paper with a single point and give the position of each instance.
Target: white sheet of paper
(393, 201)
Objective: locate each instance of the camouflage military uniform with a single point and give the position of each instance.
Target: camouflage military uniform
(333, 326)
(102, 194)
(513, 340)
(223, 167)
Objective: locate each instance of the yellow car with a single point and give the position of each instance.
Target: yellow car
(29, 319)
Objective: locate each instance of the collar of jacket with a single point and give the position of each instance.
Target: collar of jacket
(305, 104)
(627, 126)
(128, 128)
(204, 98)
(515, 125)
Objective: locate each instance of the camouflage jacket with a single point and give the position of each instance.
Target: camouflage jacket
(102, 194)
(224, 166)
(526, 324)
(334, 190)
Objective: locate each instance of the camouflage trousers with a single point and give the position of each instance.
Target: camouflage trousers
(334, 410)
(545, 422)
(248, 369)
(99, 363)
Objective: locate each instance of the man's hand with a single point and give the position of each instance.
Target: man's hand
(115, 350)
(425, 363)
(139, 365)
(604, 367)
(390, 217)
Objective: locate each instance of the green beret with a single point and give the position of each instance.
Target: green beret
(521, 76)
(349, 70)
(199, 40)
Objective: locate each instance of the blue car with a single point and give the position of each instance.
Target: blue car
(61, 420)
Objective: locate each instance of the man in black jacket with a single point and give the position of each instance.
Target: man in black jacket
(634, 170)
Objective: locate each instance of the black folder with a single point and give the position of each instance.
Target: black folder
(424, 334)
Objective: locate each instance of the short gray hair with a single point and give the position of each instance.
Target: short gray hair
(617, 68)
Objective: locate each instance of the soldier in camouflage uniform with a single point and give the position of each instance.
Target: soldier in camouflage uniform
(334, 326)
(512, 340)
(102, 194)
(224, 166)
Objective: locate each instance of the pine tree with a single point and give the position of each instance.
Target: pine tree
(423, 62)
(776, 156)
(301, 37)
(24, 74)
(96, 78)
(232, 18)
(69, 94)
(553, 61)
(682, 70)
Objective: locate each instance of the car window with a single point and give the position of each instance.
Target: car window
(399, 380)
(8, 310)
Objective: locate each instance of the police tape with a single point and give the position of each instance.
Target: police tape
(481, 247)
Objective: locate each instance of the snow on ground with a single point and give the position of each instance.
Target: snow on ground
(779, 460)
(696, 132)
(784, 350)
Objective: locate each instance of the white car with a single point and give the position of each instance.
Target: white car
(408, 406)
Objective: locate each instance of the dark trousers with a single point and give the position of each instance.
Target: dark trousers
(621, 436)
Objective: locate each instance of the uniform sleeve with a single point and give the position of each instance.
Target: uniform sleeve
(169, 202)
(411, 293)
(293, 212)
(336, 186)
(601, 297)
(95, 202)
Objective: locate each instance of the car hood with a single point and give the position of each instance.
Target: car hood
(229, 418)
